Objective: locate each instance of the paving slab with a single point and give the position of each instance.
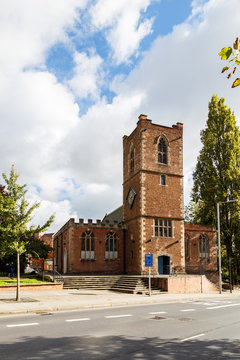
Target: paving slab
(65, 300)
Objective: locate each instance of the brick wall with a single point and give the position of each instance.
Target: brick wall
(195, 263)
(67, 245)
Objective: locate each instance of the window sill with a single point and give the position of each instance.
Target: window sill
(88, 259)
(111, 259)
(163, 237)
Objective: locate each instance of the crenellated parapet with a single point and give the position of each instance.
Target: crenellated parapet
(99, 224)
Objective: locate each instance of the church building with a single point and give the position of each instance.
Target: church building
(150, 220)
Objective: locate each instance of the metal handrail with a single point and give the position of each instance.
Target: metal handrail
(58, 277)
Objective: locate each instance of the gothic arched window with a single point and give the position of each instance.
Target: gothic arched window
(162, 151)
(131, 159)
(87, 246)
(111, 246)
(203, 246)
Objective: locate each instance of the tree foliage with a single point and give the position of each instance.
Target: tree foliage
(217, 175)
(16, 214)
(16, 233)
(37, 249)
(191, 211)
(231, 54)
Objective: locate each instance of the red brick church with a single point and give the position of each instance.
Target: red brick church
(151, 219)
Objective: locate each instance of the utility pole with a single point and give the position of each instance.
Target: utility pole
(219, 251)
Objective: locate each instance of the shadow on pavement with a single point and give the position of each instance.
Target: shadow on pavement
(118, 347)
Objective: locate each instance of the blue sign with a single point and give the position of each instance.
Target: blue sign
(148, 260)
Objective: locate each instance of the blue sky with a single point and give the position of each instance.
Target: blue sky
(165, 14)
(76, 74)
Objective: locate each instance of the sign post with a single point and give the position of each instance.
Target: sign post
(149, 264)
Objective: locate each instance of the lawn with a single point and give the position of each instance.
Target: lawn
(22, 281)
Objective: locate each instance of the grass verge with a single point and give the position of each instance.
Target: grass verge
(22, 281)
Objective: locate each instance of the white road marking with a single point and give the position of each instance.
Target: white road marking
(158, 312)
(222, 301)
(221, 306)
(27, 324)
(116, 316)
(188, 310)
(82, 319)
(192, 337)
(215, 302)
(203, 303)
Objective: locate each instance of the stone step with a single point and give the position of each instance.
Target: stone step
(129, 284)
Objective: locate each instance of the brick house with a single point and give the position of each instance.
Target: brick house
(89, 247)
(151, 219)
(38, 263)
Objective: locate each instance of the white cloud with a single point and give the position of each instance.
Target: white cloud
(94, 147)
(27, 30)
(121, 19)
(86, 79)
(36, 113)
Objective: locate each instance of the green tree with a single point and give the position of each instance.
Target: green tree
(231, 55)
(217, 176)
(15, 217)
(191, 211)
(36, 248)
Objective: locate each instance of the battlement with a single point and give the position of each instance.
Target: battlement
(99, 224)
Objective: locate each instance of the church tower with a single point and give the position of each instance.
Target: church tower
(153, 197)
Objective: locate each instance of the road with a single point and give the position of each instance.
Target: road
(184, 330)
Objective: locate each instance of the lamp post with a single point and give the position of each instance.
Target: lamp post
(219, 244)
(219, 251)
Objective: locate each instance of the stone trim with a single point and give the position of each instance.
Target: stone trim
(152, 172)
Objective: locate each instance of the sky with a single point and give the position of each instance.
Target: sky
(76, 74)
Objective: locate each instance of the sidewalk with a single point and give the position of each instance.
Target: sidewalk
(63, 300)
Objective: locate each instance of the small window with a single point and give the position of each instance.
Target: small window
(87, 247)
(187, 246)
(163, 228)
(203, 246)
(132, 160)
(111, 246)
(163, 180)
(162, 151)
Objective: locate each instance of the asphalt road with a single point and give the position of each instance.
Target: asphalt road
(186, 330)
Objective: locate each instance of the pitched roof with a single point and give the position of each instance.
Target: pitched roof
(115, 215)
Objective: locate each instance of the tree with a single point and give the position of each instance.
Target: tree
(217, 176)
(234, 61)
(36, 248)
(191, 211)
(15, 216)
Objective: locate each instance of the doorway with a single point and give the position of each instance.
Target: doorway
(164, 265)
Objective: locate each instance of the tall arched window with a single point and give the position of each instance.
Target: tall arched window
(162, 151)
(203, 246)
(87, 246)
(111, 246)
(187, 247)
(131, 160)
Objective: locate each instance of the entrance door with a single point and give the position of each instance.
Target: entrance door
(164, 265)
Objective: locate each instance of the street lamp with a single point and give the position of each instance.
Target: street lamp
(219, 244)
